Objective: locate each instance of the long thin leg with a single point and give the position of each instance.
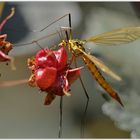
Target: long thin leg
(39, 39)
(52, 23)
(83, 120)
(41, 46)
(59, 33)
(61, 117)
(69, 36)
(38, 45)
(33, 41)
(70, 26)
(29, 43)
(41, 30)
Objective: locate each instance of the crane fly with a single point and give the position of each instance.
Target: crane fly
(115, 37)
(76, 48)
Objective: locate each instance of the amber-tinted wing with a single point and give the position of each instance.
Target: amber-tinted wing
(103, 67)
(116, 37)
(99, 78)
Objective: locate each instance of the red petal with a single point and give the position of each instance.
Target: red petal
(57, 86)
(45, 77)
(73, 74)
(63, 82)
(45, 58)
(62, 57)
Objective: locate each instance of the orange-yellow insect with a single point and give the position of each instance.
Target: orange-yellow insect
(116, 37)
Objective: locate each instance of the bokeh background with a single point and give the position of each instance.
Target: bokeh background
(23, 114)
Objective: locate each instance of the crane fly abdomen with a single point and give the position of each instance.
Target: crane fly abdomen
(100, 79)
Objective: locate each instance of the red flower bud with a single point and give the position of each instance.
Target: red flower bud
(51, 73)
(45, 58)
(62, 57)
(45, 77)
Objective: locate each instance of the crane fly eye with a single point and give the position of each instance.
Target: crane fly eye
(77, 44)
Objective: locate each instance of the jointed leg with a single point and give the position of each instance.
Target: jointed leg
(61, 117)
(85, 111)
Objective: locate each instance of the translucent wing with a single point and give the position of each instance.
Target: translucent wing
(13, 83)
(116, 37)
(103, 67)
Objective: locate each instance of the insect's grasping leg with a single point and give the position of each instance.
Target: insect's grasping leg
(53, 23)
(71, 60)
(67, 36)
(42, 47)
(47, 36)
(60, 36)
(61, 117)
(85, 111)
(66, 29)
(70, 26)
(50, 53)
(42, 38)
(36, 42)
(41, 30)
(61, 32)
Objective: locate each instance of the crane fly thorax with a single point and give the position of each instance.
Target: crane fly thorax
(75, 46)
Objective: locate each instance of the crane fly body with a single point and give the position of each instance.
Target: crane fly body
(112, 38)
(78, 50)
